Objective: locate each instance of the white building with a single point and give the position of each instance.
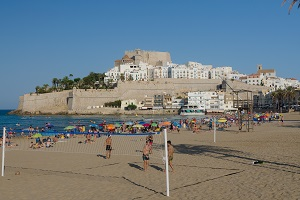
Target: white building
(211, 101)
(177, 103)
(130, 71)
(158, 72)
(125, 103)
(228, 102)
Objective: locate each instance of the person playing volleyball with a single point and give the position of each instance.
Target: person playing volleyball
(146, 151)
(107, 143)
(170, 154)
(150, 139)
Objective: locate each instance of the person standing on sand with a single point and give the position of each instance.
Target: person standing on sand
(108, 147)
(146, 158)
(281, 119)
(170, 154)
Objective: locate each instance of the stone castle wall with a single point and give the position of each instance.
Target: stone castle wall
(151, 57)
(91, 101)
(55, 102)
(79, 101)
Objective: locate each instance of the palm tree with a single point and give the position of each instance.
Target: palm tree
(45, 88)
(292, 4)
(289, 94)
(55, 83)
(277, 97)
(65, 83)
(77, 82)
(37, 89)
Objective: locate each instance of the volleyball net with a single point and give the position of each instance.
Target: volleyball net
(87, 143)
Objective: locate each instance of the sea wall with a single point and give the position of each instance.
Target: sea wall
(91, 101)
(49, 103)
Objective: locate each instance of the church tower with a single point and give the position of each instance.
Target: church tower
(259, 67)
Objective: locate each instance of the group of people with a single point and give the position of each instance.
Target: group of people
(147, 150)
(41, 143)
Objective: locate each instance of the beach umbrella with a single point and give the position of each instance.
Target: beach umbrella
(69, 127)
(117, 125)
(222, 120)
(110, 126)
(37, 135)
(138, 126)
(146, 125)
(142, 122)
(166, 123)
(154, 124)
(176, 124)
(94, 126)
(129, 123)
(101, 124)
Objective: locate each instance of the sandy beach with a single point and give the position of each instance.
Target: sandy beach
(203, 169)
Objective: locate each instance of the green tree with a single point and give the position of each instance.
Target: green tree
(122, 77)
(37, 89)
(113, 104)
(55, 82)
(289, 94)
(278, 97)
(77, 82)
(45, 88)
(131, 107)
(67, 83)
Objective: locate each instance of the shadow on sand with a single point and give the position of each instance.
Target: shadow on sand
(226, 154)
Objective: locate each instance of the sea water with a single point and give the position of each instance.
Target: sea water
(59, 122)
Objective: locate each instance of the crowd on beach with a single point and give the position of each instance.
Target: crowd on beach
(195, 125)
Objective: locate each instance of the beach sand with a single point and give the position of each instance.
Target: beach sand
(203, 169)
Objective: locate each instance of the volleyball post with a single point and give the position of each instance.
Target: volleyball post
(215, 121)
(3, 151)
(167, 162)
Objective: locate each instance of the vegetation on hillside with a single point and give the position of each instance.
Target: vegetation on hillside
(113, 104)
(131, 107)
(92, 81)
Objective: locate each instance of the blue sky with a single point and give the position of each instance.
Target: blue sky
(45, 39)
